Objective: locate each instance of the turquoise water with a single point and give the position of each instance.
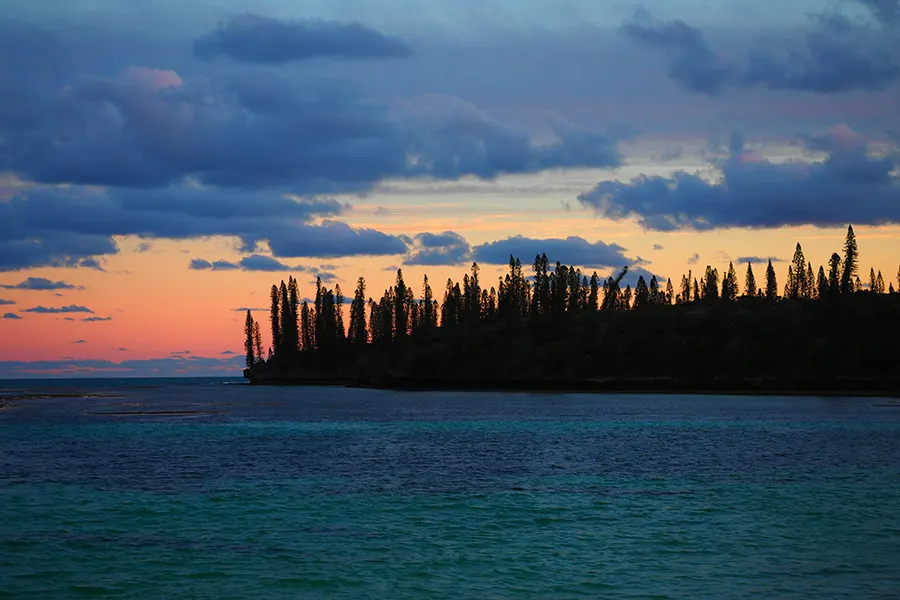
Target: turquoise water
(201, 490)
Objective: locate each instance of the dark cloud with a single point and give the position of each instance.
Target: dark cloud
(658, 247)
(831, 59)
(63, 227)
(79, 342)
(332, 239)
(886, 11)
(96, 319)
(758, 260)
(447, 248)
(39, 284)
(227, 353)
(173, 366)
(4, 302)
(51, 310)
(12, 316)
(691, 60)
(571, 250)
(124, 350)
(265, 40)
(244, 309)
(693, 259)
(850, 185)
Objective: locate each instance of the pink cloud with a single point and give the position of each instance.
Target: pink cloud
(154, 79)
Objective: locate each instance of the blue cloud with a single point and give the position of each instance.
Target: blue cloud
(4, 302)
(96, 319)
(333, 239)
(45, 310)
(266, 40)
(850, 186)
(758, 260)
(572, 250)
(39, 284)
(833, 59)
(447, 248)
(12, 316)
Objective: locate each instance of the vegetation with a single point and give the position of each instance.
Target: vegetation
(561, 329)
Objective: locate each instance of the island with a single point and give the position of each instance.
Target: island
(824, 332)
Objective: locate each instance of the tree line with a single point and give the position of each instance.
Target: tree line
(551, 291)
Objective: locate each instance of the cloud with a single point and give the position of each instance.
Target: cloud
(571, 250)
(244, 309)
(124, 350)
(831, 59)
(758, 260)
(851, 185)
(886, 11)
(45, 310)
(64, 227)
(447, 248)
(4, 302)
(12, 316)
(691, 61)
(266, 40)
(96, 319)
(658, 247)
(79, 342)
(227, 353)
(39, 284)
(173, 366)
(693, 259)
(332, 239)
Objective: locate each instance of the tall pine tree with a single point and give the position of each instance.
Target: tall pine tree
(850, 262)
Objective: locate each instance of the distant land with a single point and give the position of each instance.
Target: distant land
(560, 330)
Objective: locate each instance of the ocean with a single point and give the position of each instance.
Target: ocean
(214, 489)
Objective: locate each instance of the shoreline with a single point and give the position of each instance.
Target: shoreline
(871, 389)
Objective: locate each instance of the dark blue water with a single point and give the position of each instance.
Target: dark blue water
(197, 489)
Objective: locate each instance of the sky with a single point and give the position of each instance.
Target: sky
(163, 163)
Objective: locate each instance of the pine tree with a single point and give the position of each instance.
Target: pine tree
(248, 340)
(879, 283)
(797, 286)
(771, 284)
(594, 296)
(872, 282)
(429, 315)
(285, 319)
(790, 286)
(670, 292)
(307, 328)
(275, 320)
(834, 274)
(358, 333)
(319, 328)
(293, 337)
(822, 283)
(641, 294)
(811, 289)
(750, 282)
(850, 262)
(656, 297)
(339, 313)
(710, 288)
(696, 290)
(257, 341)
(729, 284)
(401, 312)
(626, 298)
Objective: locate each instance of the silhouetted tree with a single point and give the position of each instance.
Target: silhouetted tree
(834, 274)
(451, 306)
(686, 287)
(696, 290)
(771, 284)
(291, 334)
(670, 292)
(641, 294)
(822, 283)
(319, 321)
(710, 288)
(248, 340)
(811, 289)
(540, 300)
(790, 286)
(879, 283)
(657, 298)
(357, 333)
(307, 328)
(612, 293)
(850, 262)
(797, 286)
(339, 313)
(730, 284)
(626, 298)
(257, 341)
(275, 320)
(429, 314)
(594, 295)
(285, 319)
(750, 286)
